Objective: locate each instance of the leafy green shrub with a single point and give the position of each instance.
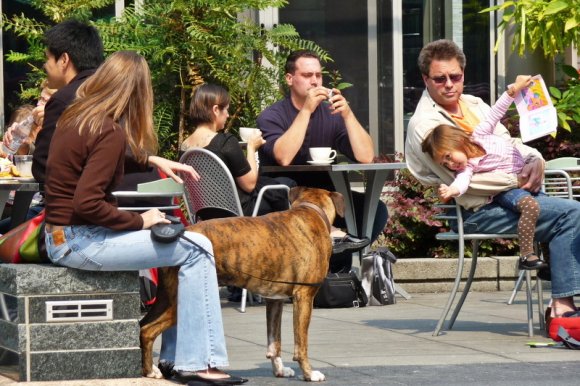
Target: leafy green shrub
(549, 25)
(567, 99)
(411, 229)
(186, 43)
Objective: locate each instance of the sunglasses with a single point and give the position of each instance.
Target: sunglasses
(455, 78)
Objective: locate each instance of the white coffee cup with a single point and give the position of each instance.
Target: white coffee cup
(24, 165)
(248, 132)
(322, 154)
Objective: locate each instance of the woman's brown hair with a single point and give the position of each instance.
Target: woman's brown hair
(204, 98)
(120, 89)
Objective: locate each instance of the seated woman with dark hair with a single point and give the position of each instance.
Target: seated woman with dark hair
(208, 113)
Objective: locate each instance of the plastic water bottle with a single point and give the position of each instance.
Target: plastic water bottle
(20, 132)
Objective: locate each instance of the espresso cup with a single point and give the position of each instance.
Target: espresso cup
(248, 132)
(322, 154)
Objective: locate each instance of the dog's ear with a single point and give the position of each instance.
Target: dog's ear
(338, 201)
(294, 193)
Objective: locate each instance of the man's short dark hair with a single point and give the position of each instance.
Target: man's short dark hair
(440, 50)
(80, 41)
(290, 66)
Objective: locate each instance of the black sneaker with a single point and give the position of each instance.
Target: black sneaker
(166, 368)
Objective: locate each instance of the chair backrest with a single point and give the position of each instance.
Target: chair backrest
(215, 190)
(563, 163)
(558, 183)
(558, 180)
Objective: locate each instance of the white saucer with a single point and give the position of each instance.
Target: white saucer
(25, 179)
(327, 162)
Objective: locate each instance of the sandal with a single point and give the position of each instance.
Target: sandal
(192, 378)
(527, 264)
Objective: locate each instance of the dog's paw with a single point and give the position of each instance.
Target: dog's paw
(154, 373)
(316, 376)
(279, 370)
(286, 372)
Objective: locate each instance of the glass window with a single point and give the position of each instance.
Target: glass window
(386, 138)
(341, 29)
(425, 21)
(476, 47)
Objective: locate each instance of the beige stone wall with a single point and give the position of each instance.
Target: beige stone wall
(428, 275)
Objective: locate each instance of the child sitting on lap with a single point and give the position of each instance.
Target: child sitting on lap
(482, 151)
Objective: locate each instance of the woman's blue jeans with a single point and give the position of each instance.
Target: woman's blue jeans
(558, 225)
(200, 337)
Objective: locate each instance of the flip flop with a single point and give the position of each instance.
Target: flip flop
(191, 378)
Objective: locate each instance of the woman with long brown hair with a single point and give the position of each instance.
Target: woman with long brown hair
(86, 230)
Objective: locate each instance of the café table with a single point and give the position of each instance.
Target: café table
(375, 175)
(25, 189)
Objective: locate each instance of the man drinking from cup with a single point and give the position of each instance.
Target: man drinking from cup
(315, 116)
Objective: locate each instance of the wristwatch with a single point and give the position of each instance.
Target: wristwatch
(511, 91)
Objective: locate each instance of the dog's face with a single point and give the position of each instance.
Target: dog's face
(332, 203)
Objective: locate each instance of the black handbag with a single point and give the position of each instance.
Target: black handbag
(340, 290)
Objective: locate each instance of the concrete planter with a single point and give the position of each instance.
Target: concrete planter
(429, 275)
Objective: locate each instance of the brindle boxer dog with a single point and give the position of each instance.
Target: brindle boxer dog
(278, 255)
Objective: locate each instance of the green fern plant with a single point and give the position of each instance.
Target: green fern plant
(186, 43)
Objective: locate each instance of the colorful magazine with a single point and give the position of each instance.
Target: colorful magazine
(538, 116)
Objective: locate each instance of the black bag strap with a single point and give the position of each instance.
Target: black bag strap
(360, 293)
(568, 341)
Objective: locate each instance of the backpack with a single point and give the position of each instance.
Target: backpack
(566, 330)
(377, 277)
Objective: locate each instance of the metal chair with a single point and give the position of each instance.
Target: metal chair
(215, 194)
(461, 237)
(559, 182)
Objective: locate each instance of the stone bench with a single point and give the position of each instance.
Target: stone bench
(59, 324)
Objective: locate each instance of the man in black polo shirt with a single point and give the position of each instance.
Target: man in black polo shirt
(311, 117)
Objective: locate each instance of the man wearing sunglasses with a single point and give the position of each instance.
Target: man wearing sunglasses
(442, 64)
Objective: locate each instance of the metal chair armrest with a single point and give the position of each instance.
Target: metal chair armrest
(261, 193)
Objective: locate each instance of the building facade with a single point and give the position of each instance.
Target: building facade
(375, 44)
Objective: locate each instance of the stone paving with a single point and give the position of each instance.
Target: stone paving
(393, 345)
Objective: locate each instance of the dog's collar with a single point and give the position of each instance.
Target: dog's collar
(318, 210)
